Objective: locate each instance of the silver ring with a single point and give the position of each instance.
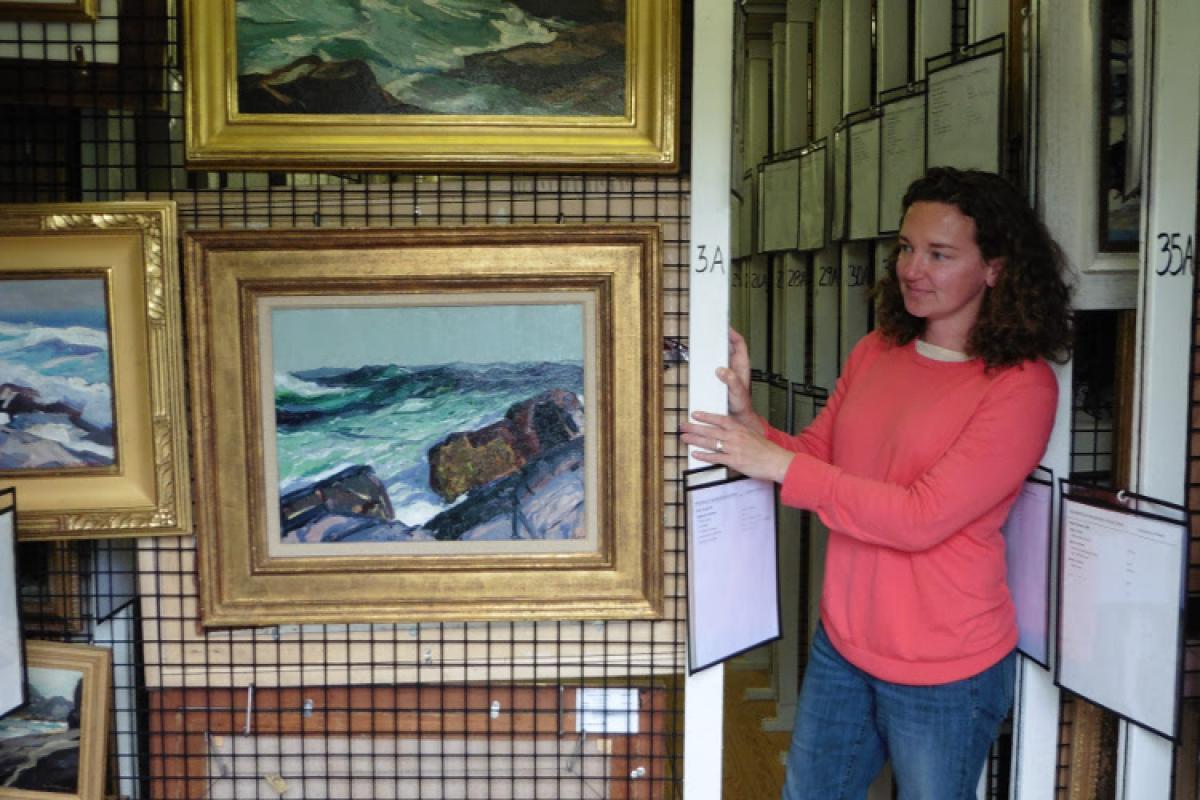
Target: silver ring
(720, 446)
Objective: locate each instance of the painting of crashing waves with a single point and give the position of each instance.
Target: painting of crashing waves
(56, 397)
(39, 742)
(429, 423)
(469, 57)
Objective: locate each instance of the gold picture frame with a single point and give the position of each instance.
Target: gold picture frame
(142, 486)
(399, 331)
(49, 10)
(53, 666)
(377, 118)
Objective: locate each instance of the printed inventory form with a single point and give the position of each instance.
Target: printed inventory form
(864, 179)
(902, 146)
(733, 591)
(1120, 607)
(963, 114)
(12, 650)
(1027, 546)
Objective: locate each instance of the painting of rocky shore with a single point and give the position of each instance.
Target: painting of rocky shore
(464, 57)
(430, 424)
(39, 742)
(56, 395)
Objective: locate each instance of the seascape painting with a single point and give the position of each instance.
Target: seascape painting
(433, 423)
(39, 742)
(444, 57)
(56, 385)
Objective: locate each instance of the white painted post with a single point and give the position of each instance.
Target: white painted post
(1065, 208)
(708, 316)
(1165, 315)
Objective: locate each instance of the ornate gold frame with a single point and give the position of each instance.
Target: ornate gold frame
(228, 274)
(134, 244)
(95, 663)
(644, 138)
(56, 11)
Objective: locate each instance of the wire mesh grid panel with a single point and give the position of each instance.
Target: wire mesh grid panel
(548, 709)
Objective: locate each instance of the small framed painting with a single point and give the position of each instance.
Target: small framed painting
(54, 746)
(435, 423)
(92, 430)
(395, 84)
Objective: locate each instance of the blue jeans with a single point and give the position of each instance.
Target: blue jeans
(849, 723)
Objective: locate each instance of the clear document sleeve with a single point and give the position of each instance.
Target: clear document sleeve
(733, 590)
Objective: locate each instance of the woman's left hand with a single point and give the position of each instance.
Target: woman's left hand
(723, 440)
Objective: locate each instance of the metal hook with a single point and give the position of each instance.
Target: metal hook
(249, 709)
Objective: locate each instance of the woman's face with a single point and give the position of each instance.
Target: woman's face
(942, 274)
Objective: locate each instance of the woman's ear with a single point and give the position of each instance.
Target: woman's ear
(992, 270)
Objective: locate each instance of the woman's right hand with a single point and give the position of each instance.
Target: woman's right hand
(736, 378)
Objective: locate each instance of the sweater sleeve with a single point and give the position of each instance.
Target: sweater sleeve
(815, 440)
(1000, 445)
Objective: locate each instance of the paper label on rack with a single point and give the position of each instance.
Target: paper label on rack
(606, 711)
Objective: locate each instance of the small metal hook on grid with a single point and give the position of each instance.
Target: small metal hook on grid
(571, 763)
(80, 59)
(249, 710)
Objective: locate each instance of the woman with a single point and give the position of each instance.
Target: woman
(936, 420)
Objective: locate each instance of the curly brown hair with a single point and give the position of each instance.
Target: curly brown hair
(1027, 314)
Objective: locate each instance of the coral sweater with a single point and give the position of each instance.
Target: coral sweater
(913, 466)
